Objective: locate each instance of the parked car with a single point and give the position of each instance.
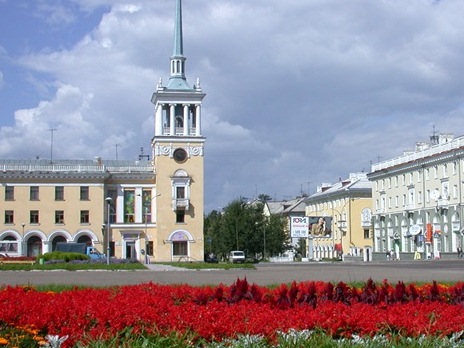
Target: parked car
(211, 258)
(237, 256)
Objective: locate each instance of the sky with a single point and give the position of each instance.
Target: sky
(298, 92)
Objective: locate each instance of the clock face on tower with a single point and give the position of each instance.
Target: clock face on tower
(180, 155)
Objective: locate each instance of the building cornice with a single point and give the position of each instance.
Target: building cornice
(416, 164)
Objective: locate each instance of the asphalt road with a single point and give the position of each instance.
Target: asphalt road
(265, 274)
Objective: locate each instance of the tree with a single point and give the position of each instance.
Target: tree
(263, 198)
(243, 226)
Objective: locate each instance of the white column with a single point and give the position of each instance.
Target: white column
(172, 119)
(159, 119)
(139, 213)
(119, 206)
(198, 120)
(186, 120)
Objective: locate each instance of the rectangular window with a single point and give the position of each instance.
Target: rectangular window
(113, 194)
(9, 217)
(9, 193)
(34, 193)
(34, 217)
(150, 248)
(366, 234)
(59, 217)
(84, 193)
(59, 193)
(129, 206)
(146, 205)
(85, 217)
(180, 216)
(180, 192)
(179, 248)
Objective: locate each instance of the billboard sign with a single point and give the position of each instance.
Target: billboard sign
(299, 226)
(320, 230)
(302, 226)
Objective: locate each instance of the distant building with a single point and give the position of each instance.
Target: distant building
(287, 209)
(133, 208)
(345, 208)
(418, 200)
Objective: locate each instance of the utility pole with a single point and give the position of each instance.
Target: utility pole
(51, 144)
(116, 146)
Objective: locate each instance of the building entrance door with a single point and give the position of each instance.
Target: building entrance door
(130, 250)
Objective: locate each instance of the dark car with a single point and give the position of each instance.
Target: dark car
(211, 258)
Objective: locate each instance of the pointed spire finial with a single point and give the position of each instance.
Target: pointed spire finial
(178, 59)
(178, 36)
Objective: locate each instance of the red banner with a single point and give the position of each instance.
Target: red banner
(429, 233)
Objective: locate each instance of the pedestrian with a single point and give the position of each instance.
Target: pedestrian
(459, 252)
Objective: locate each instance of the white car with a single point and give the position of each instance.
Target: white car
(237, 256)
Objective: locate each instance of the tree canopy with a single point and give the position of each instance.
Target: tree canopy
(244, 226)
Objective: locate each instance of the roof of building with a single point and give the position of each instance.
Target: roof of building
(41, 169)
(286, 207)
(444, 144)
(356, 183)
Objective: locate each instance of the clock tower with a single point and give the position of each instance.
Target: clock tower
(178, 154)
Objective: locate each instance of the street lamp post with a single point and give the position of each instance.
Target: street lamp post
(236, 231)
(22, 240)
(264, 239)
(146, 235)
(108, 202)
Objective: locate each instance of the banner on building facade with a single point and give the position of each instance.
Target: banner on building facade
(299, 226)
(428, 235)
(316, 226)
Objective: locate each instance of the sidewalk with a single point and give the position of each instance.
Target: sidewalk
(165, 268)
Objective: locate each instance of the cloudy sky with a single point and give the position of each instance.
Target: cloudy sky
(299, 92)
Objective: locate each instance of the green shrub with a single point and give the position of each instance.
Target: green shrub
(60, 255)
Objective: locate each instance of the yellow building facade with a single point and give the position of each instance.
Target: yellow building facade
(144, 210)
(345, 208)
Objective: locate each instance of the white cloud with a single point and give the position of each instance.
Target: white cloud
(54, 12)
(298, 91)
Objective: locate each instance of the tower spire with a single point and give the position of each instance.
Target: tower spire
(178, 36)
(178, 58)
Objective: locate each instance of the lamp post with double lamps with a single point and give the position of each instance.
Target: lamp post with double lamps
(108, 203)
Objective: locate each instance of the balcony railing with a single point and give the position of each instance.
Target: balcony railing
(179, 131)
(75, 166)
(411, 157)
(180, 203)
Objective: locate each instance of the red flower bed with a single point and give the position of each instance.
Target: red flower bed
(218, 312)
